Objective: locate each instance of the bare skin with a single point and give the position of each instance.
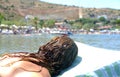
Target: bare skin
(23, 69)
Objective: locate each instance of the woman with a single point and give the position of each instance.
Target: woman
(49, 61)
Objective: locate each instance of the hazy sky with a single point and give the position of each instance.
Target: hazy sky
(89, 3)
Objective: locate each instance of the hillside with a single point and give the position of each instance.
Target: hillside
(95, 12)
(17, 9)
(21, 8)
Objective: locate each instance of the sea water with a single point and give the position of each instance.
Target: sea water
(106, 41)
(32, 42)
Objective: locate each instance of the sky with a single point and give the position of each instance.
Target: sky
(115, 4)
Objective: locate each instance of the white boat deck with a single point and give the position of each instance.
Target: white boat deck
(92, 59)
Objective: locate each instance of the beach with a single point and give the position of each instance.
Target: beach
(90, 59)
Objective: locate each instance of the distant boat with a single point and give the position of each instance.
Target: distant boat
(61, 32)
(6, 31)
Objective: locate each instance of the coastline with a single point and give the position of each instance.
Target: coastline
(92, 58)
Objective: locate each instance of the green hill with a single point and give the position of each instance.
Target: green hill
(13, 9)
(17, 9)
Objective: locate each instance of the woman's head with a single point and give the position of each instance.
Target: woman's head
(59, 53)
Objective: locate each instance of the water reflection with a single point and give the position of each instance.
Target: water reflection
(107, 41)
(31, 43)
(19, 43)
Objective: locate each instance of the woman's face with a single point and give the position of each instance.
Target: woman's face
(13, 67)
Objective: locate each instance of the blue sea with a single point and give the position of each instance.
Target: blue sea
(32, 42)
(106, 41)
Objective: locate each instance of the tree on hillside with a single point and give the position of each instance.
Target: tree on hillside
(41, 23)
(118, 22)
(1, 18)
(49, 23)
(77, 25)
(88, 26)
(86, 20)
(102, 19)
(36, 21)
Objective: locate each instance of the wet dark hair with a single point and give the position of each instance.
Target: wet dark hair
(59, 54)
(25, 56)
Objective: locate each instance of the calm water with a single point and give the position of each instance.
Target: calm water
(106, 41)
(31, 43)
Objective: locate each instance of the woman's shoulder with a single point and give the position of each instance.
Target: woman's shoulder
(28, 69)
